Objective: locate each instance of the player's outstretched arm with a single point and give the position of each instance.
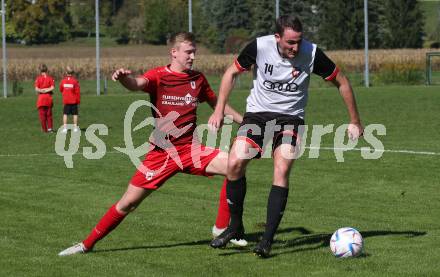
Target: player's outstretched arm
(355, 128)
(131, 83)
(226, 86)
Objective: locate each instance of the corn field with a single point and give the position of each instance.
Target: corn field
(23, 62)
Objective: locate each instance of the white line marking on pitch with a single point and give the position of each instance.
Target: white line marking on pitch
(379, 150)
(413, 152)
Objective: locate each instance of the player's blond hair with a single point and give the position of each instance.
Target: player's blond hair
(176, 39)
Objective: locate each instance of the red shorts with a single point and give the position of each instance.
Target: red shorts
(159, 165)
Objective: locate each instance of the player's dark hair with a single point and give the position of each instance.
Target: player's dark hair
(288, 21)
(42, 67)
(69, 70)
(180, 37)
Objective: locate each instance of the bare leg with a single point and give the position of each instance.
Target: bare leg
(75, 120)
(65, 120)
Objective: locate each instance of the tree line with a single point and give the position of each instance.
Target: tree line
(222, 25)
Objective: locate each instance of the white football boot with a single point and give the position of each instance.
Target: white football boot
(217, 231)
(78, 248)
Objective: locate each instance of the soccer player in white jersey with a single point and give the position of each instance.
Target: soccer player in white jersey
(282, 65)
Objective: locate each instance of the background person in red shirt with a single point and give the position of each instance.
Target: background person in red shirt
(70, 89)
(44, 85)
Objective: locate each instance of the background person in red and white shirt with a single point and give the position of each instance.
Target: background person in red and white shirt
(175, 91)
(71, 91)
(44, 85)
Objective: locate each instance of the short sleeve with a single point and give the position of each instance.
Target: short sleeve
(323, 66)
(52, 82)
(151, 76)
(206, 92)
(247, 57)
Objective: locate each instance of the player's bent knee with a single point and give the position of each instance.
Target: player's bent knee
(281, 170)
(236, 167)
(127, 207)
(132, 198)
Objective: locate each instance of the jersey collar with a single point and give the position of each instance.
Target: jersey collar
(185, 73)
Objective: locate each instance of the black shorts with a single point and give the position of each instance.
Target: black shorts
(71, 109)
(259, 129)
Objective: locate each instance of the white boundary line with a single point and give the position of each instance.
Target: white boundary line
(412, 152)
(378, 150)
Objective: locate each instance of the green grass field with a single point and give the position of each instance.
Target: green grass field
(393, 201)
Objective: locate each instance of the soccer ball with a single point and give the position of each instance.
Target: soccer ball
(346, 242)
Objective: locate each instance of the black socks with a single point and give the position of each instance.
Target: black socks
(235, 192)
(276, 204)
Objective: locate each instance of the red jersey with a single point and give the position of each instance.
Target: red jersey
(70, 89)
(44, 99)
(176, 97)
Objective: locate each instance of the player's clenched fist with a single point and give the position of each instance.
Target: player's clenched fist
(120, 73)
(215, 122)
(355, 130)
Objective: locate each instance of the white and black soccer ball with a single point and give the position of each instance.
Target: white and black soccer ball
(346, 242)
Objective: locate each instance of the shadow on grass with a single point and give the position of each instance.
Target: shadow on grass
(251, 237)
(309, 241)
(306, 241)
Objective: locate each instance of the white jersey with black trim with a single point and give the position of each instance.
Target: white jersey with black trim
(275, 89)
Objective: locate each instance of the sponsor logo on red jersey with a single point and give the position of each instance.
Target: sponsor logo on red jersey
(173, 100)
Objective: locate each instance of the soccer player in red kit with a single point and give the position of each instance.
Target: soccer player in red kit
(44, 85)
(175, 91)
(70, 89)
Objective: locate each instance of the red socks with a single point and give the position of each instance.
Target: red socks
(112, 218)
(223, 215)
(46, 120)
(108, 222)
